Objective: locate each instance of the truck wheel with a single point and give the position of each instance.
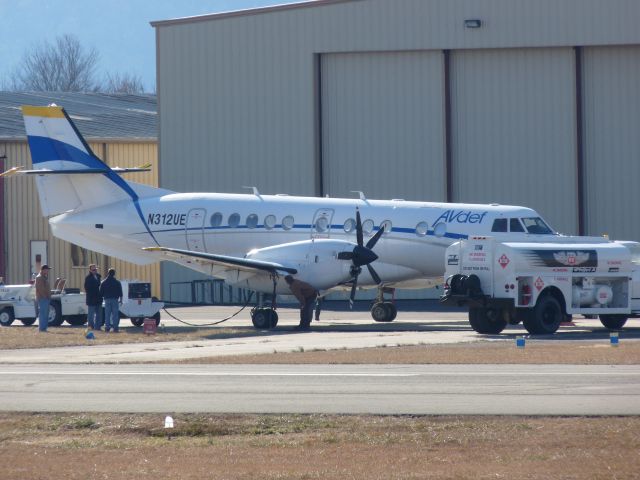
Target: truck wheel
(613, 322)
(55, 314)
(6, 317)
(76, 320)
(28, 321)
(487, 320)
(545, 318)
(137, 321)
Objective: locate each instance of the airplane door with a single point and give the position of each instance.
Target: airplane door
(321, 225)
(195, 230)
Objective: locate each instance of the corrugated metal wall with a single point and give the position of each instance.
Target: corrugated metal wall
(244, 100)
(612, 140)
(24, 220)
(513, 130)
(382, 125)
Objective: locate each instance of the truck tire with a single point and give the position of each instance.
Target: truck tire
(487, 320)
(76, 320)
(6, 317)
(613, 322)
(55, 314)
(137, 321)
(28, 321)
(546, 316)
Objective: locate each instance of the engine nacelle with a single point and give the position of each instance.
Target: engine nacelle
(316, 261)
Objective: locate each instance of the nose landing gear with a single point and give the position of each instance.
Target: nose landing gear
(384, 311)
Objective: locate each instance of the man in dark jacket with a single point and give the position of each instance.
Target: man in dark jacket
(306, 295)
(111, 291)
(93, 298)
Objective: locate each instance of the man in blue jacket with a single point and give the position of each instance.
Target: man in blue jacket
(111, 291)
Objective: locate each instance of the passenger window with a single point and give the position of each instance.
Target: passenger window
(252, 220)
(515, 225)
(422, 228)
(322, 224)
(270, 221)
(499, 225)
(216, 219)
(349, 225)
(386, 226)
(287, 222)
(367, 226)
(234, 220)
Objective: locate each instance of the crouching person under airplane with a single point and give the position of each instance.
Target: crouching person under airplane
(306, 295)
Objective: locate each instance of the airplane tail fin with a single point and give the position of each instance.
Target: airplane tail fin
(69, 176)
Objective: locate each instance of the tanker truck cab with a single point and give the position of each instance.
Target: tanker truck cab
(540, 283)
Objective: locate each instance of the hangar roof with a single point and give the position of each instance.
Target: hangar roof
(115, 117)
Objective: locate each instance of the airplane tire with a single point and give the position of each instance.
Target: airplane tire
(392, 311)
(28, 321)
(487, 320)
(613, 322)
(55, 314)
(6, 317)
(380, 312)
(264, 318)
(546, 316)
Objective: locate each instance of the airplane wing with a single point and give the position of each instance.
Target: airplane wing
(217, 265)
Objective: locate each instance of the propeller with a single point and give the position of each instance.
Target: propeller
(360, 256)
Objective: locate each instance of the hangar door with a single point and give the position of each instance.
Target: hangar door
(611, 76)
(513, 130)
(382, 125)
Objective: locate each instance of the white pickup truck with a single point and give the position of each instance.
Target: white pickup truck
(542, 284)
(18, 302)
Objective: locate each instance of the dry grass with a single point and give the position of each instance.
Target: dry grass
(103, 446)
(542, 352)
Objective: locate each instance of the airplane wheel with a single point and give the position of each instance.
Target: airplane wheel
(28, 321)
(613, 322)
(391, 310)
(55, 314)
(6, 317)
(487, 320)
(381, 313)
(264, 318)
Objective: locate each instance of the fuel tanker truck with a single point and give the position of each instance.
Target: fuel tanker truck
(542, 284)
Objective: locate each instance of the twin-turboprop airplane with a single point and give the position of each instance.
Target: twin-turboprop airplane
(253, 240)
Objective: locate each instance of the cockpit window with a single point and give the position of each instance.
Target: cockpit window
(499, 225)
(515, 225)
(536, 225)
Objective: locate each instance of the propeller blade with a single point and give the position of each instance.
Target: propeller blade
(374, 274)
(359, 228)
(373, 240)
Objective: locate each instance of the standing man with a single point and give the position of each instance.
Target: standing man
(111, 291)
(43, 297)
(306, 295)
(93, 298)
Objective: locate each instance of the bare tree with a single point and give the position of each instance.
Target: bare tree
(123, 83)
(64, 66)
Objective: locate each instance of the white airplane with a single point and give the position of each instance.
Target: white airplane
(253, 240)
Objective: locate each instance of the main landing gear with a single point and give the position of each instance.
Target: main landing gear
(266, 318)
(382, 311)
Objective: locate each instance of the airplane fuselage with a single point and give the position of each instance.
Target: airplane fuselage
(410, 252)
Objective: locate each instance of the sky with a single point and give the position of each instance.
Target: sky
(118, 29)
